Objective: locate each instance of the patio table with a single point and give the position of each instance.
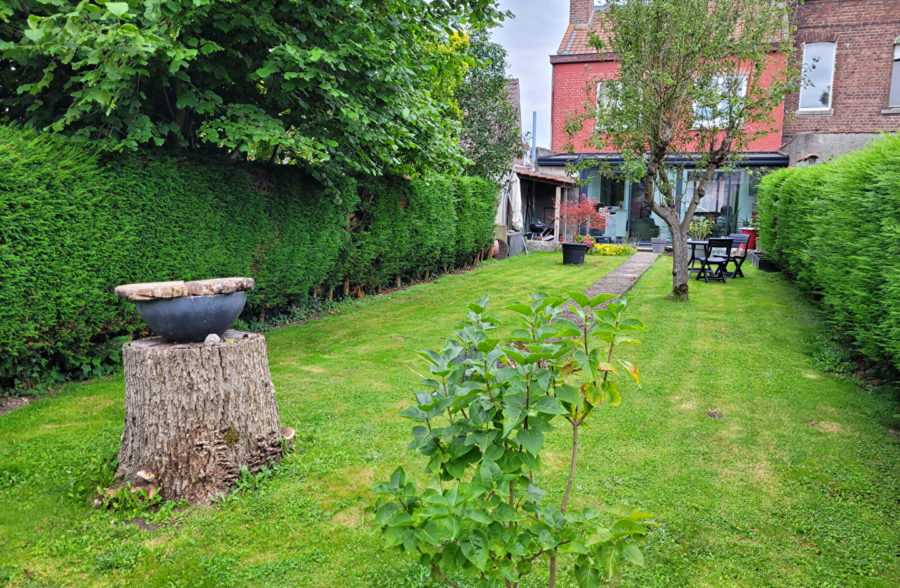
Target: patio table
(694, 244)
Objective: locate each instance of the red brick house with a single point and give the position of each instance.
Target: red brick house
(854, 90)
(850, 51)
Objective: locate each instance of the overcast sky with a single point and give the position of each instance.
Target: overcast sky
(529, 40)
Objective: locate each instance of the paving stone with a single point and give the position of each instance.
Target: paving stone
(618, 281)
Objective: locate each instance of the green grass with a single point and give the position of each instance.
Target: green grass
(758, 497)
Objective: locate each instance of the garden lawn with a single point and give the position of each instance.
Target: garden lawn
(795, 483)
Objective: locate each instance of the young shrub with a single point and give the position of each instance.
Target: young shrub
(481, 419)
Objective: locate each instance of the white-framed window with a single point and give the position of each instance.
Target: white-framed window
(894, 97)
(604, 97)
(818, 76)
(718, 115)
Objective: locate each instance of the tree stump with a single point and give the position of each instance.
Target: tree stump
(195, 413)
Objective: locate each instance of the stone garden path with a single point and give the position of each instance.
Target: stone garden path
(620, 280)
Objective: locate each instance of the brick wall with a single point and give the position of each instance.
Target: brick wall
(574, 81)
(864, 31)
(573, 84)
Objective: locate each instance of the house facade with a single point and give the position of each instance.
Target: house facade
(579, 73)
(850, 54)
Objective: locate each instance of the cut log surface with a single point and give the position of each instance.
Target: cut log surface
(196, 413)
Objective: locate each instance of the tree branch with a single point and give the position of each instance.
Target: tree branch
(439, 573)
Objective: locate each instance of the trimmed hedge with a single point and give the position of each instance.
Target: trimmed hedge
(75, 223)
(835, 228)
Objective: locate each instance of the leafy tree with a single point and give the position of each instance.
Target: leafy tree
(696, 78)
(321, 80)
(480, 419)
(491, 137)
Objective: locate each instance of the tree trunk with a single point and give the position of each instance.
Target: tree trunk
(680, 274)
(196, 413)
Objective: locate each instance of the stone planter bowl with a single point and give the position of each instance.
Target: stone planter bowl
(186, 312)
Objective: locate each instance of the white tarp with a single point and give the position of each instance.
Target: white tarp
(515, 203)
(511, 196)
(500, 219)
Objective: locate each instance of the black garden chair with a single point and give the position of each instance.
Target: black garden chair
(738, 255)
(715, 259)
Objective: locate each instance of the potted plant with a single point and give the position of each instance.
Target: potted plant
(581, 215)
(701, 228)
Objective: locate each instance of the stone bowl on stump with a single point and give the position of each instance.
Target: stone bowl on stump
(184, 312)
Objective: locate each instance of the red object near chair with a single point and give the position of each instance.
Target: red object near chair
(752, 232)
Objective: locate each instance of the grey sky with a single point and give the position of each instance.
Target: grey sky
(529, 40)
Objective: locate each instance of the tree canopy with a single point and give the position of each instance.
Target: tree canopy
(491, 136)
(696, 78)
(325, 80)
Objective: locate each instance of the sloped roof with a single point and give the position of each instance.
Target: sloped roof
(575, 39)
(528, 173)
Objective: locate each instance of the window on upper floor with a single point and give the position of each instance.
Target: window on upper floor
(818, 76)
(718, 114)
(894, 98)
(604, 94)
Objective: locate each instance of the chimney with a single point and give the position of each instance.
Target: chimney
(580, 11)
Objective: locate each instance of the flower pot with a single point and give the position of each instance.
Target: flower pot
(573, 253)
(191, 318)
(658, 244)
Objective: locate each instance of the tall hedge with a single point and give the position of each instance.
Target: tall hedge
(75, 223)
(835, 228)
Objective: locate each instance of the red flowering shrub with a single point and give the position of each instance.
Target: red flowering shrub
(582, 214)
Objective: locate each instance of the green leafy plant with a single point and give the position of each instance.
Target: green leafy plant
(300, 81)
(490, 136)
(481, 419)
(131, 500)
(248, 482)
(701, 228)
